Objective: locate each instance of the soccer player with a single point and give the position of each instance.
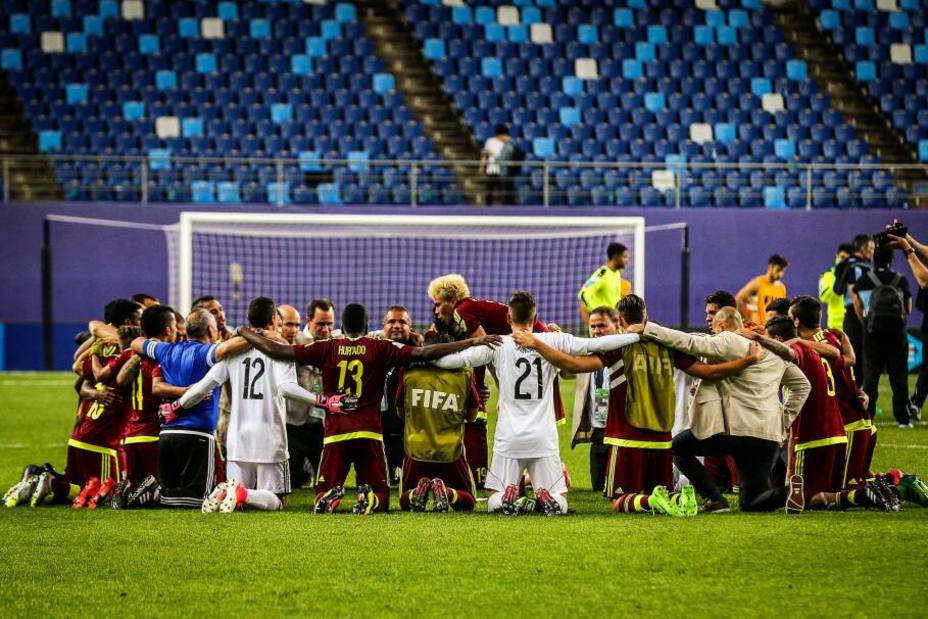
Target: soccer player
(142, 428)
(356, 365)
(604, 286)
(181, 327)
(641, 412)
(766, 288)
(526, 431)
(256, 448)
(777, 307)
(435, 405)
(817, 440)
(188, 457)
(145, 300)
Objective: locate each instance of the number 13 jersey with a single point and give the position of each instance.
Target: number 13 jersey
(358, 367)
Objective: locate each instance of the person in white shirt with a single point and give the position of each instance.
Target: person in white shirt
(497, 154)
(526, 431)
(258, 471)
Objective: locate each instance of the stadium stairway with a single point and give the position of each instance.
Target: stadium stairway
(29, 180)
(836, 77)
(421, 90)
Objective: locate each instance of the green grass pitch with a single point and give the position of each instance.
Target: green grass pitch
(55, 562)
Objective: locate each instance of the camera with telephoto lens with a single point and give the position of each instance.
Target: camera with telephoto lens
(897, 228)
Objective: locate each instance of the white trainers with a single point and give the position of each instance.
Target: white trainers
(215, 498)
(230, 501)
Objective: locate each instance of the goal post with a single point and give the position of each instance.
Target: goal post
(382, 259)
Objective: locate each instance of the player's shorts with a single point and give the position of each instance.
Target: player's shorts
(547, 473)
(637, 470)
(370, 467)
(821, 468)
(141, 457)
(86, 461)
(273, 476)
(857, 454)
(475, 450)
(455, 474)
(189, 467)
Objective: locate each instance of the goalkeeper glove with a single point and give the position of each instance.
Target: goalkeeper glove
(167, 412)
(337, 404)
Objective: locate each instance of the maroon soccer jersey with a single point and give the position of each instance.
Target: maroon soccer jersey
(617, 427)
(97, 423)
(141, 406)
(819, 418)
(357, 367)
(491, 315)
(849, 405)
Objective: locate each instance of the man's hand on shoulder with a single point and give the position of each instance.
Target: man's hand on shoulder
(636, 329)
(748, 334)
(525, 339)
(493, 341)
(756, 352)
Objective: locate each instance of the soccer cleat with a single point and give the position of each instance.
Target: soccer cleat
(21, 492)
(660, 503)
(366, 499)
(796, 499)
(420, 495)
(215, 498)
(548, 503)
(120, 496)
(889, 492)
(524, 505)
(103, 494)
(440, 495)
(720, 506)
(147, 493)
(688, 502)
(234, 499)
(873, 497)
(913, 489)
(328, 502)
(51, 469)
(510, 497)
(90, 489)
(31, 470)
(43, 488)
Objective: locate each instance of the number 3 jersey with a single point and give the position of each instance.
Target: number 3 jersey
(819, 422)
(358, 367)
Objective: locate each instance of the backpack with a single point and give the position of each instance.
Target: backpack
(886, 310)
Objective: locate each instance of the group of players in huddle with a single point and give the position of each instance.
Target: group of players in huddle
(149, 386)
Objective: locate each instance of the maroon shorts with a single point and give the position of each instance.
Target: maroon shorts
(634, 470)
(455, 474)
(370, 467)
(475, 450)
(90, 461)
(141, 458)
(857, 455)
(821, 468)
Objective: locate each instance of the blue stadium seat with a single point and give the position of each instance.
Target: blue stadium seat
(865, 70)
(774, 197)
(203, 192)
(328, 193)
(491, 67)
(281, 112)
(228, 192)
(434, 49)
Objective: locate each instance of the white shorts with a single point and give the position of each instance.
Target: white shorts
(273, 476)
(547, 473)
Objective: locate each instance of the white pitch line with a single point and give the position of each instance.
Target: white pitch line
(890, 446)
(36, 383)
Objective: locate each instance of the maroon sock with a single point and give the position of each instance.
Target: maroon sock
(404, 500)
(61, 489)
(461, 500)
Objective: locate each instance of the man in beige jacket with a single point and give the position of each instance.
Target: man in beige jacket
(741, 416)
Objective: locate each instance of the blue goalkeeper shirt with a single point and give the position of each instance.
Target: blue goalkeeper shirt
(183, 364)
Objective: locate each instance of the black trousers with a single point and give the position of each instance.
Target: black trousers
(753, 457)
(921, 387)
(500, 189)
(395, 451)
(599, 453)
(890, 351)
(305, 446)
(188, 463)
(855, 333)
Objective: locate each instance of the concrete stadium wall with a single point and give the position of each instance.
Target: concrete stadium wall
(92, 265)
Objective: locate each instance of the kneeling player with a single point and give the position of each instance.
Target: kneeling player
(641, 413)
(436, 404)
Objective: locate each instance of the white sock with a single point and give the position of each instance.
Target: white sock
(494, 502)
(264, 500)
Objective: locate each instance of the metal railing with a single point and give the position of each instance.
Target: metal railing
(308, 181)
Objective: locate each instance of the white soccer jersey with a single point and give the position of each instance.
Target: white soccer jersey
(257, 425)
(525, 426)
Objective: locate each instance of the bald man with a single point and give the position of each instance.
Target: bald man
(739, 416)
(289, 322)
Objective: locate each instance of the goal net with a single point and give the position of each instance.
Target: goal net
(384, 260)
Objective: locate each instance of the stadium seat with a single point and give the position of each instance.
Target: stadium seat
(774, 197)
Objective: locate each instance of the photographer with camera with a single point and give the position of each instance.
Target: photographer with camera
(847, 273)
(882, 302)
(917, 256)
